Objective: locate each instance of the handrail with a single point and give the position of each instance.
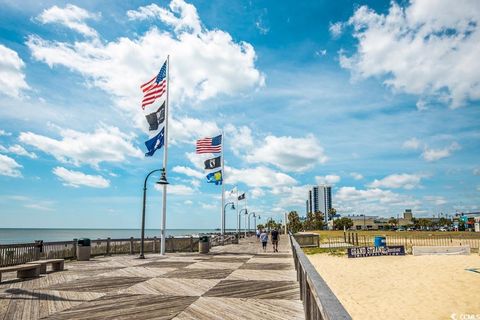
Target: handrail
(319, 301)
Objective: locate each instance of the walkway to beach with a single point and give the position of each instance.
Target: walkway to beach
(232, 282)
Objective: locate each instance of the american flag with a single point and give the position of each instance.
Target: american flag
(155, 88)
(209, 145)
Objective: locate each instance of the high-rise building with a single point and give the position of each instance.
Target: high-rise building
(316, 201)
(307, 207)
(320, 200)
(310, 201)
(325, 200)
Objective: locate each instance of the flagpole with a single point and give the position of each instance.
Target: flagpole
(223, 189)
(165, 158)
(246, 214)
(238, 219)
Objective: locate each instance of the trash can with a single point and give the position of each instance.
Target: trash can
(380, 241)
(204, 244)
(83, 249)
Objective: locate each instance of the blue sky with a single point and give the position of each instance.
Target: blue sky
(379, 99)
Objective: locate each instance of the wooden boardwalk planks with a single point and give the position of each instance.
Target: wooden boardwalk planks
(231, 282)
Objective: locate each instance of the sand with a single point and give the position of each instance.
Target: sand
(404, 287)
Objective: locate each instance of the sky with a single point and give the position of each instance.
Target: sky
(379, 99)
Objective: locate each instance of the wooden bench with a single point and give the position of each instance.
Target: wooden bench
(57, 264)
(27, 270)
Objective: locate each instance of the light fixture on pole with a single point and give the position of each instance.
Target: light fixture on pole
(142, 242)
(251, 213)
(239, 222)
(229, 203)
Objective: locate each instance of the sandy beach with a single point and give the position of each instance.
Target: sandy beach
(404, 287)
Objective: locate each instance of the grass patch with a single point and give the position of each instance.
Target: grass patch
(331, 251)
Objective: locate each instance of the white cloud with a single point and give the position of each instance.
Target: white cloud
(373, 201)
(257, 193)
(321, 53)
(436, 200)
(105, 144)
(198, 159)
(336, 29)
(428, 48)
(262, 27)
(4, 133)
(188, 130)
(437, 154)
(12, 78)
(240, 139)
(40, 207)
(412, 143)
(19, 150)
(291, 196)
(258, 177)
(476, 171)
(189, 172)
(77, 179)
(356, 175)
(72, 17)
(287, 153)
(9, 167)
(204, 63)
(188, 202)
(403, 180)
(177, 189)
(182, 16)
(209, 206)
(328, 179)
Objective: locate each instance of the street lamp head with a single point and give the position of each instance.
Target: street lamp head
(163, 178)
(233, 206)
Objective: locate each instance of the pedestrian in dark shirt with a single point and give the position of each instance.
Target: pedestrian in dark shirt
(275, 238)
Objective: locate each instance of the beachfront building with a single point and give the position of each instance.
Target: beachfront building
(365, 222)
(320, 200)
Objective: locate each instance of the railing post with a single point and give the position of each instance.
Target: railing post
(356, 237)
(131, 245)
(75, 248)
(108, 247)
(191, 244)
(154, 244)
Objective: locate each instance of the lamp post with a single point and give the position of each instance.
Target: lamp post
(229, 203)
(251, 213)
(239, 222)
(162, 180)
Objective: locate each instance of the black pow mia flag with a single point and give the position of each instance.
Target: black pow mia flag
(213, 163)
(156, 118)
(241, 197)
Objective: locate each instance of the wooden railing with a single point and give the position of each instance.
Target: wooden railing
(350, 239)
(12, 254)
(319, 302)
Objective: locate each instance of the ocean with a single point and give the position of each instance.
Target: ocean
(23, 235)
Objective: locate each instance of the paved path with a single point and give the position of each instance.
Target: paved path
(232, 282)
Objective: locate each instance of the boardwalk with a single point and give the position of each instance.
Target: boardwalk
(232, 282)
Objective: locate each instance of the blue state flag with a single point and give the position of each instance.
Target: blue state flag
(215, 177)
(155, 143)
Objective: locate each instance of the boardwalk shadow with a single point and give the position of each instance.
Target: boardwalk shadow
(20, 294)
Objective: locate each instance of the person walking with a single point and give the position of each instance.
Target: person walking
(275, 238)
(257, 233)
(264, 240)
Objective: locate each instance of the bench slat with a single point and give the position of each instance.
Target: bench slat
(19, 267)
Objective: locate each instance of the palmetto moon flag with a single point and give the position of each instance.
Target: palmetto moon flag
(215, 177)
(156, 118)
(241, 197)
(155, 143)
(213, 163)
